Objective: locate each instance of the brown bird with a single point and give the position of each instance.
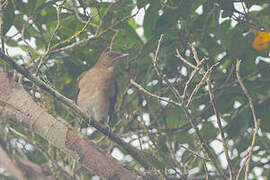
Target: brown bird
(97, 87)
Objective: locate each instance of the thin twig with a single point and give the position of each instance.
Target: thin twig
(60, 44)
(163, 76)
(256, 122)
(58, 25)
(202, 142)
(197, 68)
(34, 17)
(206, 170)
(194, 153)
(157, 51)
(194, 73)
(178, 55)
(154, 95)
(43, 57)
(205, 77)
(224, 142)
(74, 45)
(194, 52)
(241, 168)
(229, 84)
(84, 41)
(73, 36)
(76, 12)
(101, 17)
(193, 124)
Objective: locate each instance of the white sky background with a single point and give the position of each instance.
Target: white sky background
(139, 20)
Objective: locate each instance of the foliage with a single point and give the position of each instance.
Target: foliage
(49, 34)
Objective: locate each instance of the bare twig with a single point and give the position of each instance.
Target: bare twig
(73, 36)
(197, 68)
(194, 153)
(194, 73)
(163, 76)
(101, 17)
(205, 77)
(256, 122)
(178, 55)
(76, 12)
(75, 44)
(60, 44)
(202, 142)
(154, 95)
(224, 142)
(33, 18)
(116, 31)
(194, 52)
(157, 51)
(193, 124)
(241, 168)
(43, 57)
(84, 41)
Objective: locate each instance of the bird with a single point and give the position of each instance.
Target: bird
(96, 88)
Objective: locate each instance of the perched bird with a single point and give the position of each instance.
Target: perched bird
(97, 87)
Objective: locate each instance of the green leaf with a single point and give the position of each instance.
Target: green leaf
(169, 18)
(227, 13)
(141, 3)
(173, 117)
(8, 17)
(208, 130)
(132, 35)
(150, 18)
(12, 43)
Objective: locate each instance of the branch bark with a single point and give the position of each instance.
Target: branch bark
(69, 103)
(17, 105)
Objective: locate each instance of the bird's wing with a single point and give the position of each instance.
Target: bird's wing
(113, 99)
(76, 96)
(81, 76)
(77, 85)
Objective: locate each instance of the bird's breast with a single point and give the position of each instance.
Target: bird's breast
(95, 88)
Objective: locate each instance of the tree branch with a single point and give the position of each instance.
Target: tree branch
(69, 103)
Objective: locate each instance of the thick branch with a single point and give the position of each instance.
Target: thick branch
(69, 103)
(17, 105)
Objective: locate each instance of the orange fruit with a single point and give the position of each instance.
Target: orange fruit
(261, 41)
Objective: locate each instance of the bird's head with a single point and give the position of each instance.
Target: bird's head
(109, 58)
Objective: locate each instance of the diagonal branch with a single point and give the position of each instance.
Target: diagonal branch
(256, 122)
(69, 103)
(224, 142)
(17, 106)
